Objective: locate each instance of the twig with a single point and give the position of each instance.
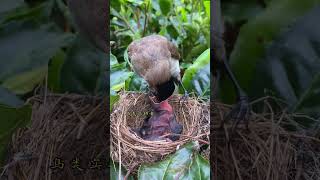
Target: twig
(145, 19)
(87, 118)
(272, 142)
(195, 138)
(235, 161)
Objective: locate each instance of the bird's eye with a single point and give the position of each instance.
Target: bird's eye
(143, 132)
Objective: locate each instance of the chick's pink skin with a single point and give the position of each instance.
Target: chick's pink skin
(165, 106)
(162, 106)
(161, 123)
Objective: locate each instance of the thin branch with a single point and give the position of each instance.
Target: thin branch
(145, 18)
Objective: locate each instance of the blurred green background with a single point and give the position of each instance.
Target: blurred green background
(38, 47)
(274, 50)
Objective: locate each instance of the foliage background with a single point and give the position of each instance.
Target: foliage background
(273, 48)
(186, 23)
(39, 46)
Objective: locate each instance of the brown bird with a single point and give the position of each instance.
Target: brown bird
(156, 60)
(161, 123)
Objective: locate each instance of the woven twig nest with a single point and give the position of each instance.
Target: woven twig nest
(66, 137)
(130, 111)
(267, 149)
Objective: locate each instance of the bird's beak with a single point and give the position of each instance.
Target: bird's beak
(154, 100)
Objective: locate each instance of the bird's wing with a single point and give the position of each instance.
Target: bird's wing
(150, 59)
(174, 60)
(140, 63)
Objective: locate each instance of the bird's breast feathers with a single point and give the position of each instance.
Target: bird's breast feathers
(175, 68)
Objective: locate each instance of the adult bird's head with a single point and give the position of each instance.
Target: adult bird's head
(165, 90)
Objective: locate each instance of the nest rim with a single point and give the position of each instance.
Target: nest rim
(124, 141)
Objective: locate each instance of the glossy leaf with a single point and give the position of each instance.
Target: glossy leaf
(165, 6)
(256, 35)
(103, 82)
(25, 52)
(197, 76)
(82, 69)
(116, 4)
(119, 74)
(26, 81)
(136, 83)
(113, 60)
(7, 98)
(291, 67)
(206, 4)
(11, 120)
(54, 71)
(186, 163)
(201, 81)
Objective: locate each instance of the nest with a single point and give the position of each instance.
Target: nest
(274, 146)
(131, 150)
(66, 139)
(67, 127)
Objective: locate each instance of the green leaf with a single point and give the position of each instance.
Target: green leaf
(113, 60)
(25, 82)
(165, 6)
(114, 172)
(103, 79)
(186, 163)
(207, 6)
(26, 30)
(137, 83)
(196, 50)
(11, 120)
(7, 98)
(291, 67)
(119, 74)
(54, 71)
(155, 5)
(37, 15)
(197, 76)
(22, 71)
(7, 5)
(114, 97)
(84, 69)
(237, 11)
(116, 4)
(256, 34)
(201, 81)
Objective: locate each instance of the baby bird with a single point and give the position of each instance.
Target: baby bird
(161, 123)
(156, 59)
